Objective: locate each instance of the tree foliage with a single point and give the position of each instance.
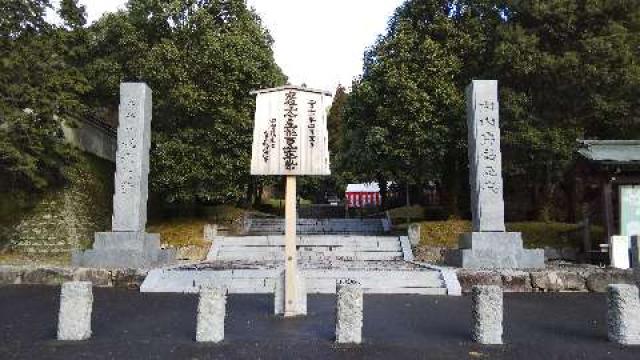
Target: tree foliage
(201, 59)
(40, 87)
(566, 70)
(404, 114)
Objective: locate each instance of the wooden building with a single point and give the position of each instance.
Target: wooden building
(607, 186)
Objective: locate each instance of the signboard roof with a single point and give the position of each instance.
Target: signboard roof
(291, 87)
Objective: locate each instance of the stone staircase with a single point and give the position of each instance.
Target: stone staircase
(272, 226)
(254, 264)
(310, 248)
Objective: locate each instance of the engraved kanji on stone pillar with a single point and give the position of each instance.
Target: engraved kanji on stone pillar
(485, 159)
(488, 245)
(128, 245)
(132, 158)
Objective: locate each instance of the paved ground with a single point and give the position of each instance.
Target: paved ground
(130, 325)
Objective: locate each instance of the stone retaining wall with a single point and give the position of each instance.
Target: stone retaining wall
(66, 218)
(583, 278)
(29, 275)
(587, 278)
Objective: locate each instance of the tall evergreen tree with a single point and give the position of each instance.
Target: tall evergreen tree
(39, 89)
(201, 59)
(566, 70)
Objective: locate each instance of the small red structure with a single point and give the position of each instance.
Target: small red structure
(363, 195)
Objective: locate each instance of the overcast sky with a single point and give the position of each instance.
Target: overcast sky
(317, 42)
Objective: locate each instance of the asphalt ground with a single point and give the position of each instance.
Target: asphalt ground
(131, 325)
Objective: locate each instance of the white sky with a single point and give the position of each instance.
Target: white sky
(317, 42)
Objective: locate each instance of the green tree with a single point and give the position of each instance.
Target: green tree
(201, 59)
(567, 70)
(335, 120)
(39, 89)
(405, 115)
(317, 188)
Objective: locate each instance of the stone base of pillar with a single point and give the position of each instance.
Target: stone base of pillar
(502, 250)
(124, 249)
(300, 308)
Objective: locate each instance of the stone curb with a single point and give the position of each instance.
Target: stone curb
(592, 279)
(30, 275)
(588, 279)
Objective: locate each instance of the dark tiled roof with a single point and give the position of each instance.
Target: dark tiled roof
(610, 151)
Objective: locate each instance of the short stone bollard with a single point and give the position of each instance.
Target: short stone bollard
(349, 312)
(76, 304)
(623, 314)
(487, 314)
(212, 307)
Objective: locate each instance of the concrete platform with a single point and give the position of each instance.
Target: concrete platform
(252, 264)
(377, 277)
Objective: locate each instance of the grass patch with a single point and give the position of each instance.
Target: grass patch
(188, 231)
(535, 234)
(443, 233)
(401, 214)
(181, 232)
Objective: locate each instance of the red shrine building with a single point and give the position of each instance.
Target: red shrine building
(363, 195)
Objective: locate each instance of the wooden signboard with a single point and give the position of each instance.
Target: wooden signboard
(290, 132)
(290, 138)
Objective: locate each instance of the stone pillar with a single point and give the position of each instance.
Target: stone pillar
(76, 304)
(211, 314)
(489, 245)
(300, 306)
(128, 245)
(349, 312)
(623, 315)
(487, 314)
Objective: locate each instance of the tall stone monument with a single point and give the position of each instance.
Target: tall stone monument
(489, 245)
(128, 245)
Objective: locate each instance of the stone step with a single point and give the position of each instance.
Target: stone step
(317, 226)
(385, 246)
(271, 248)
(317, 221)
(320, 240)
(270, 256)
(424, 282)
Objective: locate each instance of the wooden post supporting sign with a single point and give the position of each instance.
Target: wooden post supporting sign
(291, 258)
(290, 138)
